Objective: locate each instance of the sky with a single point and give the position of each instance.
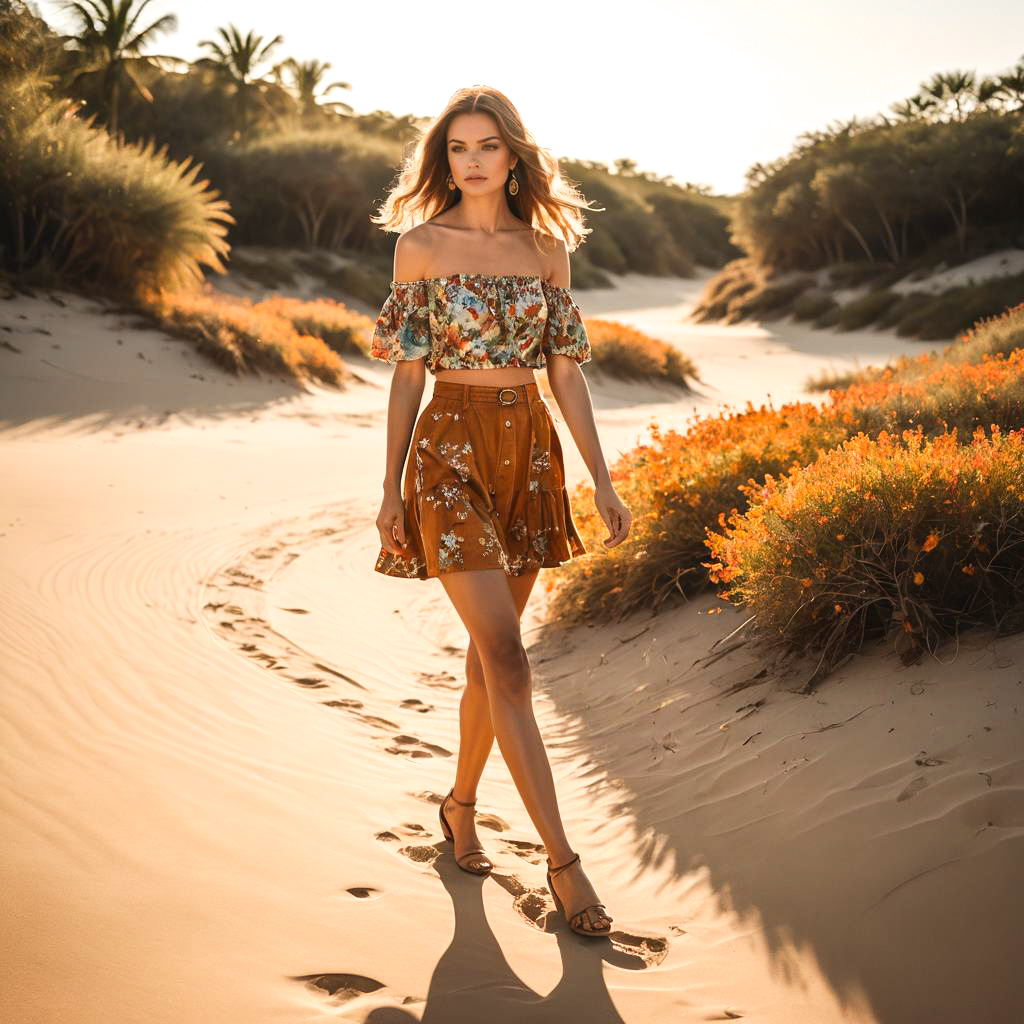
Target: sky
(698, 91)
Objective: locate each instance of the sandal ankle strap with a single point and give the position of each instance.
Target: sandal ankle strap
(451, 796)
(561, 867)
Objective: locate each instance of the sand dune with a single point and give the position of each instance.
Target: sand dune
(225, 738)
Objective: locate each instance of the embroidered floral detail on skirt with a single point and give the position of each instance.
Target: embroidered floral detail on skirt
(485, 487)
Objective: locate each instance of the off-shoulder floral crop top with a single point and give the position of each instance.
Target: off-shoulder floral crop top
(479, 321)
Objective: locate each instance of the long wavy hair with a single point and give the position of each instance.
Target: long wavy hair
(545, 199)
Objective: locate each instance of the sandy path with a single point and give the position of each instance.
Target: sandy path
(189, 838)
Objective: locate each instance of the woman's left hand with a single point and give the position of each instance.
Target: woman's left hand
(615, 515)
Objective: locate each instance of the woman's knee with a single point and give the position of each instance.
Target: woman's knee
(506, 666)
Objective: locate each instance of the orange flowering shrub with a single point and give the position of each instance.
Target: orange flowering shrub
(626, 352)
(680, 483)
(243, 336)
(344, 330)
(675, 487)
(944, 396)
(901, 536)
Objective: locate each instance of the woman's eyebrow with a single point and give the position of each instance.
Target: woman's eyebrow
(487, 139)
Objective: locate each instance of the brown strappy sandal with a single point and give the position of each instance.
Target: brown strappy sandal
(576, 920)
(479, 869)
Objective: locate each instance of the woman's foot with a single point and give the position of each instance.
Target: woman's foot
(461, 819)
(575, 892)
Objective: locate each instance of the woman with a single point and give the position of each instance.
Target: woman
(480, 299)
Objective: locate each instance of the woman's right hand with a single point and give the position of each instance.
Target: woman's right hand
(391, 523)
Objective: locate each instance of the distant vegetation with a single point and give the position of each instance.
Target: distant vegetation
(128, 173)
(81, 207)
(278, 336)
(310, 338)
(866, 203)
(626, 353)
(682, 485)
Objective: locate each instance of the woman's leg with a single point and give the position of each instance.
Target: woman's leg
(476, 733)
(483, 599)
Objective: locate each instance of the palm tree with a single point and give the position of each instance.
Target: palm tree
(237, 57)
(915, 108)
(952, 87)
(111, 40)
(1010, 87)
(306, 81)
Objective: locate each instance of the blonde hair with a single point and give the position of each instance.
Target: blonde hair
(545, 200)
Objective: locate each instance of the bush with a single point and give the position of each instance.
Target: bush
(625, 352)
(813, 303)
(242, 336)
(681, 482)
(343, 330)
(775, 300)
(80, 208)
(864, 310)
(856, 273)
(904, 537)
(957, 309)
(830, 317)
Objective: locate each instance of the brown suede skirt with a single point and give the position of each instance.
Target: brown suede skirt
(484, 486)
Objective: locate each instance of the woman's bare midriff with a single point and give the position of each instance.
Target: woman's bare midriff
(497, 377)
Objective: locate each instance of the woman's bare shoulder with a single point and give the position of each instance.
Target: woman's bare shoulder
(413, 252)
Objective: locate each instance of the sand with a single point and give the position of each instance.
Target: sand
(225, 737)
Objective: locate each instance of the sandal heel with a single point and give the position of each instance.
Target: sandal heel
(446, 831)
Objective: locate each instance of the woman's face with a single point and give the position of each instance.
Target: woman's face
(477, 155)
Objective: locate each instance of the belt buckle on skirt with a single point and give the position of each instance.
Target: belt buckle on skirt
(515, 396)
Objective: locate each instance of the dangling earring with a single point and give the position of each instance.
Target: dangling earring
(451, 181)
(513, 185)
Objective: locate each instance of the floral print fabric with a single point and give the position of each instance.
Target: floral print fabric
(484, 486)
(479, 321)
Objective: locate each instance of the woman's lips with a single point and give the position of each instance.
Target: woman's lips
(475, 177)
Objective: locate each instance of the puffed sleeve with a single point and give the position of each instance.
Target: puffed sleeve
(564, 333)
(402, 330)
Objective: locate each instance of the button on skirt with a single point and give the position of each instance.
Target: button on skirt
(484, 486)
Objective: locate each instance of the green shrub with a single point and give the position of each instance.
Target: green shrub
(80, 208)
(864, 310)
(812, 304)
(957, 309)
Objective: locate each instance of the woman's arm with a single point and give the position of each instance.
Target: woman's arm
(407, 383)
(569, 386)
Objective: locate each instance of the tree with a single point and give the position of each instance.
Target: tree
(306, 78)
(237, 57)
(112, 43)
(952, 89)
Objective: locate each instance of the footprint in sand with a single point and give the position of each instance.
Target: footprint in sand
(415, 704)
(533, 853)
(439, 680)
(418, 854)
(537, 909)
(411, 746)
(364, 892)
(342, 986)
(345, 987)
